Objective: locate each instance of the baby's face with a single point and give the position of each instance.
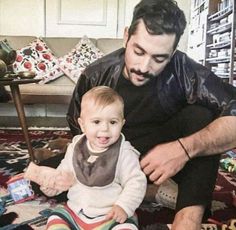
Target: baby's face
(101, 125)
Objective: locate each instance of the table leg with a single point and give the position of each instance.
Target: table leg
(21, 115)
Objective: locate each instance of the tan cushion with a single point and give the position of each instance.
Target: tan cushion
(62, 86)
(108, 45)
(61, 46)
(17, 42)
(59, 93)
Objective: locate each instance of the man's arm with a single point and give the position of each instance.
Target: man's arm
(203, 87)
(217, 137)
(165, 160)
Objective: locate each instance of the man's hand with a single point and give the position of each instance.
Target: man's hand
(164, 161)
(117, 213)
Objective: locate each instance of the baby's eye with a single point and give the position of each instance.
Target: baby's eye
(96, 122)
(113, 122)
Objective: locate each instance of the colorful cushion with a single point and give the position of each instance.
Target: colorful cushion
(39, 58)
(84, 53)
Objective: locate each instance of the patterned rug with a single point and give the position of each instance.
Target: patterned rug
(13, 150)
(14, 158)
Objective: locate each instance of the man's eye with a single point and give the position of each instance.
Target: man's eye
(138, 52)
(159, 60)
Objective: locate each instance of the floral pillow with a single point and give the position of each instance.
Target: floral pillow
(84, 53)
(39, 58)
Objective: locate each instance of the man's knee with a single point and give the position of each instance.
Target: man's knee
(192, 118)
(189, 218)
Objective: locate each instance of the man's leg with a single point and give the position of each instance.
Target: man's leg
(197, 179)
(188, 218)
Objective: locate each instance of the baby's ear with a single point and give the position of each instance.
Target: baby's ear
(81, 124)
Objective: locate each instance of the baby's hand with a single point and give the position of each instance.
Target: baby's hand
(117, 213)
(42, 175)
(48, 177)
(49, 191)
(64, 180)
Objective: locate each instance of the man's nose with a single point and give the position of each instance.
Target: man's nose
(145, 65)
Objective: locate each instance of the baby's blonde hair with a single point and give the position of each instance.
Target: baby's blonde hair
(102, 96)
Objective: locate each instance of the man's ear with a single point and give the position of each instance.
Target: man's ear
(172, 55)
(125, 36)
(81, 124)
(124, 121)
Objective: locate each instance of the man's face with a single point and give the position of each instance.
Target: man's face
(146, 55)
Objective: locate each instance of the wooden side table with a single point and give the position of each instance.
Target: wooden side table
(15, 91)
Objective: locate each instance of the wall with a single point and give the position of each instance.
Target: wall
(72, 18)
(185, 6)
(63, 18)
(51, 18)
(22, 17)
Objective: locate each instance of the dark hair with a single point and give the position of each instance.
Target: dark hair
(159, 17)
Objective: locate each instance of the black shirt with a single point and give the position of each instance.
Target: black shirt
(143, 113)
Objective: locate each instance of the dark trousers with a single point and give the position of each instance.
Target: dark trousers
(196, 181)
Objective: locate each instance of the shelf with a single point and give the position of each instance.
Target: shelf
(219, 45)
(217, 60)
(224, 77)
(221, 14)
(220, 29)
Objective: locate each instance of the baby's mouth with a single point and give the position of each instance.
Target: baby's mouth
(103, 140)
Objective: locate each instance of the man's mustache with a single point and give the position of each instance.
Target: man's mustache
(145, 75)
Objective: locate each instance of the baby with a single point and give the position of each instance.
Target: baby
(100, 170)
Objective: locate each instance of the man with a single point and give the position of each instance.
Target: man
(179, 115)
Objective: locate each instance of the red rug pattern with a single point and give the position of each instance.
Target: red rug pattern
(14, 158)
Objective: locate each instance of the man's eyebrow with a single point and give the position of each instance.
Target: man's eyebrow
(139, 47)
(154, 55)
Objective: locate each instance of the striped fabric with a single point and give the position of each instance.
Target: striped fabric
(63, 218)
